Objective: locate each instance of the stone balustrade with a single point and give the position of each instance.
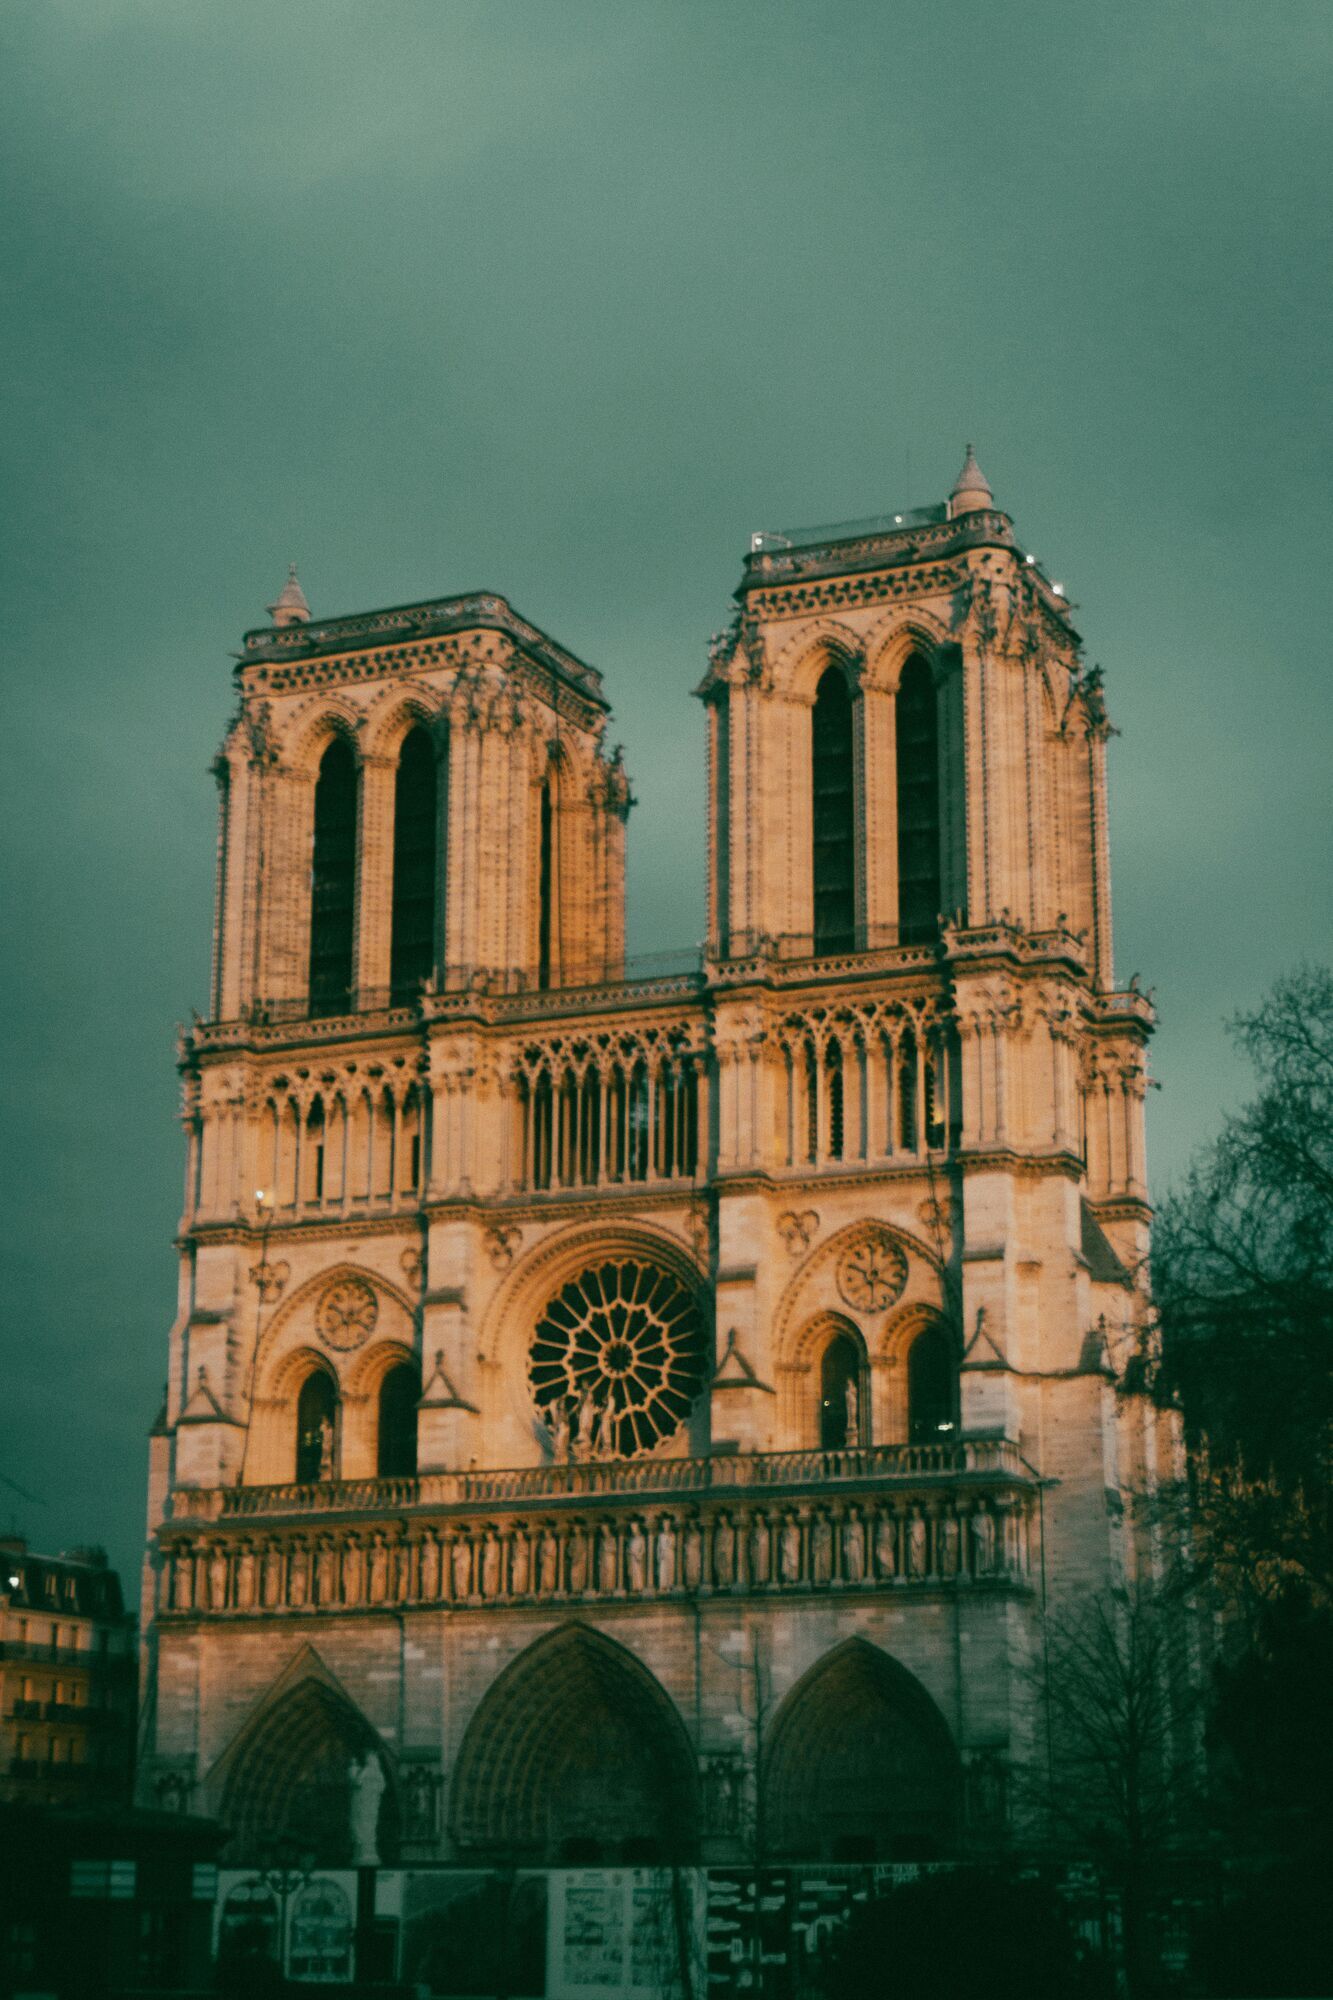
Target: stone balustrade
(981, 1458)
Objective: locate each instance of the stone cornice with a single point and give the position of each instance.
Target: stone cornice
(396, 634)
(884, 566)
(1012, 1160)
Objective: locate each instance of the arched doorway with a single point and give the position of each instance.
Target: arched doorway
(576, 1755)
(860, 1765)
(309, 1779)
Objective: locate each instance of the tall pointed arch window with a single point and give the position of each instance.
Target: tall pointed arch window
(842, 1412)
(545, 882)
(317, 1428)
(396, 1440)
(415, 867)
(833, 815)
(932, 1387)
(333, 881)
(918, 805)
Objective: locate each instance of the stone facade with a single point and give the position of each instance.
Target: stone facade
(761, 1325)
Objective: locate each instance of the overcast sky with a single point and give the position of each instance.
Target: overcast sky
(563, 300)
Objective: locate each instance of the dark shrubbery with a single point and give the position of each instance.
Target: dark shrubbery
(955, 1936)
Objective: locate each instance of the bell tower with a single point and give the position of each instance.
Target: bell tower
(413, 795)
(900, 732)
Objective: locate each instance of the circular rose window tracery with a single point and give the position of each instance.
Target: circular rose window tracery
(618, 1359)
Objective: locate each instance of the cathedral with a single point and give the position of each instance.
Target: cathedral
(626, 1411)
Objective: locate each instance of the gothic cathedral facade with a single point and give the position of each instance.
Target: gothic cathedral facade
(620, 1412)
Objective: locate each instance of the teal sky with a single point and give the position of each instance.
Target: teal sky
(563, 300)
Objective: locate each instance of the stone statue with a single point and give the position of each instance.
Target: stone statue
(217, 1578)
(821, 1549)
(666, 1555)
(853, 1548)
(298, 1575)
(949, 1544)
(245, 1578)
(367, 1791)
(272, 1583)
(420, 1796)
(578, 1561)
(886, 1545)
(852, 1403)
(917, 1544)
(400, 1572)
(351, 1568)
(587, 1413)
(460, 1559)
(379, 1570)
(759, 1549)
(606, 1559)
(548, 1564)
(983, 1542)
(491, 1553)
(606, 1429)
(694, 1556)
(560, 1431)
(326, 1573)
(324, 1432)
(519, 1565)
(430, 1567)
(636, 1557)
(789, 1550)
(182, 1590)
(724, 1552)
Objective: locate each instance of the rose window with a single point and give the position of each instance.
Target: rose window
(618, 1359)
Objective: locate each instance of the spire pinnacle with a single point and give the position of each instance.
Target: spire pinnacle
(290, 607)
(970, 490)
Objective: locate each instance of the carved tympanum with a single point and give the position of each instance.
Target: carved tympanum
(872, 1273)
(347, 1313)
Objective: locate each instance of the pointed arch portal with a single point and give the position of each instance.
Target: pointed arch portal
(576, 1754)
(860, 1765)
(306, 1779)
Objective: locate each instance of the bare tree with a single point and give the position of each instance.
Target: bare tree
(1123, 1785)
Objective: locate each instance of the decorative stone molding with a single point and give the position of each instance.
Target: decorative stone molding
(797, 1229)
(872, 1272)
(346, 1314)
(835, 1542)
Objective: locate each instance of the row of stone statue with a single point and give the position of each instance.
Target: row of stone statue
(842, 1545)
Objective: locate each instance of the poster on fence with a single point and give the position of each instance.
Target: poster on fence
(622, 1933)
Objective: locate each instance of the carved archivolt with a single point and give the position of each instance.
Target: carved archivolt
(518, 1302)
(340, 1308)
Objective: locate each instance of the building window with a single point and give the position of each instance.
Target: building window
(545, 886)
(415, 868)
(333, 881)
(932, 1387)
(833, 815)
(842, 1413)
(317, 1428)
(400, 1392)
(918, 805)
